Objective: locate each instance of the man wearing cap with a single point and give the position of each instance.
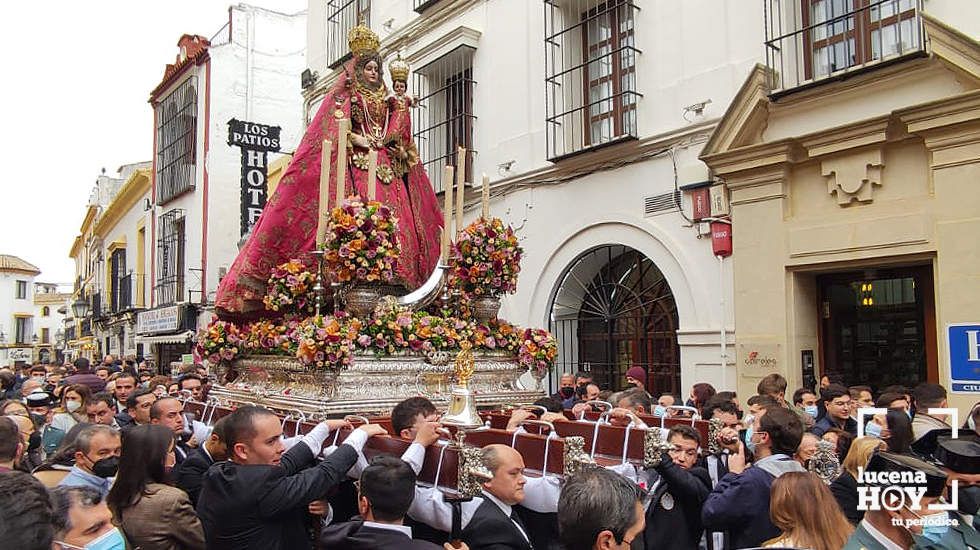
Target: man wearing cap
(959, 459)
(637, 376)
(904, 527)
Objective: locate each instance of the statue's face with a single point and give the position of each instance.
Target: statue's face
(371, 72)
(399, 86)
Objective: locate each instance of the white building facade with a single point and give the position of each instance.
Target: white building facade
(249, 71)
(16, 310)
(588, 117)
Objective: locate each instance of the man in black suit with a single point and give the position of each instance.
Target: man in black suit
(678, 489)
(386, 490)
(169, 413)
(189, 475)
(493, 520)
(258, 499)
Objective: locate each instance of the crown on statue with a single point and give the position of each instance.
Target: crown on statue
(398, 69)
(362, 40)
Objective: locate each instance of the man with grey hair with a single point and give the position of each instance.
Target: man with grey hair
(599, 509)
(97, 450)
(491, 520)
(80, 516)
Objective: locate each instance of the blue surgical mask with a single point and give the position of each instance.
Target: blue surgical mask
(660, 411)
(748, 439)
(935, 531)
(111, 540)
(872, 429)
(811, 410)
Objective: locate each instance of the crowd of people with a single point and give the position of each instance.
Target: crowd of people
(106, 457)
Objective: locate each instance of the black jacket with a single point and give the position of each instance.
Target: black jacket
(673, 515)
(845, 490)
(189, 474)
(354, 535)
(263, 507)
(124, 420)
(490, 529)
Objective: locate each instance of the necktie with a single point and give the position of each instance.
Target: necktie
(520, 524)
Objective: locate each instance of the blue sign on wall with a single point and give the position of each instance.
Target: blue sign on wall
(963, 343)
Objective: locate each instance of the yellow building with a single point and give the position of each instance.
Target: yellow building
(854, 203)
(79, 336)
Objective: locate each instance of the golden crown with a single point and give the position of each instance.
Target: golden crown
(398, 69)
(362, 40)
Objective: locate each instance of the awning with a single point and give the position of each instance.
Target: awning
(178, 338)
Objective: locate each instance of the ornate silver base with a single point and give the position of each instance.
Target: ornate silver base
(370, 386)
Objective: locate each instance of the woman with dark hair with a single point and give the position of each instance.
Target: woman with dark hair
(152, 514)
(841, 439)
(700, 394)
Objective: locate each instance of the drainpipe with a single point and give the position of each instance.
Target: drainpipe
(724, 315)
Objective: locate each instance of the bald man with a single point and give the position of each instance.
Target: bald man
(493, 519)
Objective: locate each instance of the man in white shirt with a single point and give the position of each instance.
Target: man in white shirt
(491, 520)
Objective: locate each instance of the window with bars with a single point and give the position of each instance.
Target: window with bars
(176, 143)
(342, 16)
(827, 37)
(590, 74)
(22, 330)
(117, 270)
(442, 120)
(169, 287)
(421, 5)
(45, 336)
(21, 290)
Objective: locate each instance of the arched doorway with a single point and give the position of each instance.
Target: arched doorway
(613, 309)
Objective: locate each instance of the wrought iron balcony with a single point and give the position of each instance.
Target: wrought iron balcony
(810, 41)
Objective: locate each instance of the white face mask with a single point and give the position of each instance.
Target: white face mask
(72, 406)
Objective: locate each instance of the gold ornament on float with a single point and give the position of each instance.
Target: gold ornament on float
(398, 69)
(362, 40)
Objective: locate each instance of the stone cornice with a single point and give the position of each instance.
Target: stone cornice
(753, 157)
(849, 136)
(941, 113)
(749, 105)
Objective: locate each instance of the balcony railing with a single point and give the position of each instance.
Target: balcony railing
(421, 5)
(128, 293)
(97, 305)
(809, 41)
(86, 327)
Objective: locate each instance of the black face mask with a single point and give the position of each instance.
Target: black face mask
(33, 442)
(107, 467)
(39, 420)
(567, 392)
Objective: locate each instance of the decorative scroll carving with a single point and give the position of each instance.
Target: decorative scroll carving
(575, 456)
(853, 176)
(654, 447)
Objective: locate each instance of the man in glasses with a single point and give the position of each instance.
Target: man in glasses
(677, 490)
(837, 400)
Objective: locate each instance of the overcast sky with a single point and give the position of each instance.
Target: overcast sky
(77, 76)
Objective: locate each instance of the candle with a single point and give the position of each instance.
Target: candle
(324, 197)
(460, 187)
(343, 127)
(486, 197)
(372, 180)
(447, 212)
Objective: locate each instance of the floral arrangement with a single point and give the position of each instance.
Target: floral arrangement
(291, 287)
(538, 349)
(487, 259)
(326, 341)
(363, 245)
(269, 338)
(220, 341)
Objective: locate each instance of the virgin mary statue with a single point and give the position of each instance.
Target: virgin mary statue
(287, 227)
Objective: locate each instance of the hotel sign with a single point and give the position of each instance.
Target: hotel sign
(255, 141)
(154, 321)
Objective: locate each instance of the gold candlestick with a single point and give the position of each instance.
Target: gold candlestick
(486, 197)
(460, 187)
(324, 197)
(447, 212)
(343, 128)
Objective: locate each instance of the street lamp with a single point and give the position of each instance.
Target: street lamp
(80, 308)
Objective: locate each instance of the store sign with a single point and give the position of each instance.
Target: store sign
(164, 319)
(963, 344)
(255, 141)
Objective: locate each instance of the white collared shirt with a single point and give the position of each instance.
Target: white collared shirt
(879, 536)
(403, 529)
